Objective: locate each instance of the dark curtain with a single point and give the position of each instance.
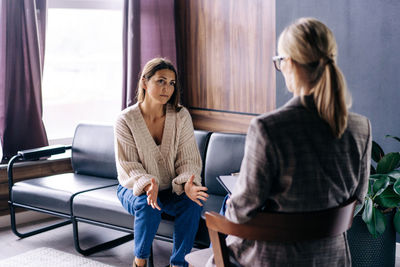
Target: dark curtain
(148, 32)
(22, 41)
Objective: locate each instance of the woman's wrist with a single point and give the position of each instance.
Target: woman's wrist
(146, 188)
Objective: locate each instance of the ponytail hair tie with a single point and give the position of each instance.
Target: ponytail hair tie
(328, 60)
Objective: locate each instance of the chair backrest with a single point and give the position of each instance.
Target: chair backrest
(224, 156)
(279, 227)
(93, 151)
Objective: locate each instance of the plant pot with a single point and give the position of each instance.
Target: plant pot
(369, 251)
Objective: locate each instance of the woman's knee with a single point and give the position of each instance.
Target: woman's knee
(143, 209)
(189, 206)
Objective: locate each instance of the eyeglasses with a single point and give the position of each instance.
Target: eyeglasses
(277, 61)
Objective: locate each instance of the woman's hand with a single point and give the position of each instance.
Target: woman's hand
(152, 193)
(194, 192)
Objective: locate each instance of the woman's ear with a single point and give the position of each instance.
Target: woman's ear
(290, 63)
(144, 83)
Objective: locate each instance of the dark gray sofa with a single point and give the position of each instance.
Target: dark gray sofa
(89, 194)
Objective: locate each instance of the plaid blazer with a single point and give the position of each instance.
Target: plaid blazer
(293, 163)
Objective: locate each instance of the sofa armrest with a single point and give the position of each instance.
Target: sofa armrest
(32, 154)
(36, 153)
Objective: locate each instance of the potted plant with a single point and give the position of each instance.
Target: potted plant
(372, 237)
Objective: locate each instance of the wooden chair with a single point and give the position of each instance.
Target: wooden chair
(280, 227)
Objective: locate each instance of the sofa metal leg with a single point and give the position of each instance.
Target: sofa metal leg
(34, 232)
(100, 247)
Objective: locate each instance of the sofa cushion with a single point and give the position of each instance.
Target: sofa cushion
(213, 203)
(93, 151)
(55, 192)
(224, 156)
(102, 205)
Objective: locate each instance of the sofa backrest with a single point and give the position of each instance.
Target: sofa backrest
(202, 138)
(224, 156)
(93, 151)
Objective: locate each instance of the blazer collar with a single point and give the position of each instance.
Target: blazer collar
(308, 102)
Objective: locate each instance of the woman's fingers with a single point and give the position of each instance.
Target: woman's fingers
(202, 198)
(156, 205)
(153, 204)
(198, 202)
(201, 193)
(201, 188)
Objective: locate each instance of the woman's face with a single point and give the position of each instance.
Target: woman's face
(291, 75)
(160, 87)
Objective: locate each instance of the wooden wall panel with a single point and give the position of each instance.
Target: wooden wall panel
(220, 121)
(224, 56)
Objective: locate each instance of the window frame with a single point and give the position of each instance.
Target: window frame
(81, 4)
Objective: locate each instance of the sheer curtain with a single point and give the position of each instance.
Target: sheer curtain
(22, 41)
(149, 31)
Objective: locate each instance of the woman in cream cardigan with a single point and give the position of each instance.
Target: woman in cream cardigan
(158, 163)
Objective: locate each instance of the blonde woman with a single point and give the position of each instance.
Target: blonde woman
(158, 163)
(311, 154)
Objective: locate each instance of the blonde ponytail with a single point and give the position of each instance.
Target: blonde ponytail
(330, 98)
(312, 47)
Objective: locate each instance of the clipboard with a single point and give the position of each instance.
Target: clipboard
(228, 182)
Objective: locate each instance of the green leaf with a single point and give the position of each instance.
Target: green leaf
(378, 176)
(392, 136)
(396, 187)
(376, 152)
(381, 185)
(358, 208)
(375, 177)
(378, 223)
(370, 192)
(396, 221)
(388, 199)
(395, 174)
(367, 214)
(388, 163)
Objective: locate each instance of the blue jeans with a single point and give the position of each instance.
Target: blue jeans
(223, 207)
(187, 215)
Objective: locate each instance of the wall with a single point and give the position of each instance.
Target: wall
(368, 37)
(224, 56)
(226, 48)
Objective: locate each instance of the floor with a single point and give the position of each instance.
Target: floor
(61, 239)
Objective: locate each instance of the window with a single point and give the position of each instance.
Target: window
(82, 77)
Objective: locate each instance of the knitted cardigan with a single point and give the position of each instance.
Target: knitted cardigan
(139, 159)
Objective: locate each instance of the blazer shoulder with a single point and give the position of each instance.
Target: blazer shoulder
(357, 122)
(282, 115)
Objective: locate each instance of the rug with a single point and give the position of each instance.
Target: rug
(48, 257)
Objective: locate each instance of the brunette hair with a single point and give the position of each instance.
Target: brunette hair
(149, 70)
(312, 47)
